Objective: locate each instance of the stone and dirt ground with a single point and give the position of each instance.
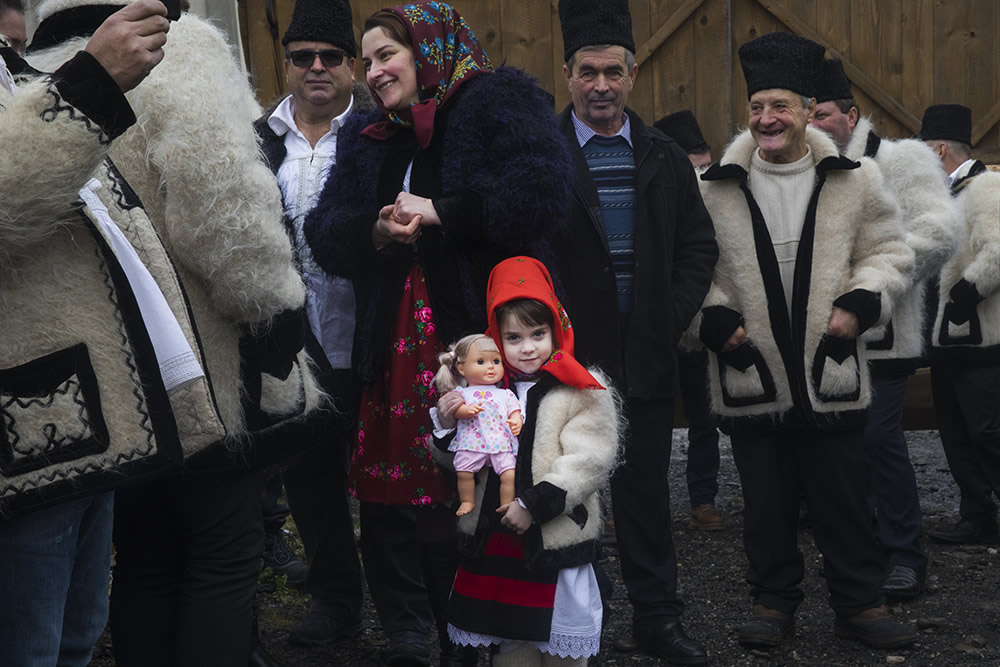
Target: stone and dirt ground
(958, 615)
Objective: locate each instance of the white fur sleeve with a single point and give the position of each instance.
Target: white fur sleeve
(983, 214)
(881, 260)
(49, 151)
(222, 204)
(928, 213)
(589, 442)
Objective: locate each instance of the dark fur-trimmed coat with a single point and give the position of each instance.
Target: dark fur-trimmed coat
(496, 170)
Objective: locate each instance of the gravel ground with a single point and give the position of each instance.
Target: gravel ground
(959, 614)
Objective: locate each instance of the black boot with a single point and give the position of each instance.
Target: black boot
(440, 561)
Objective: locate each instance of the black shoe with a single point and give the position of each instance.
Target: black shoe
(670, 642)
(279, 557)
(320, 628)
(967, 531)
(875, 627)
(766, 628)
(259, 657)
(903, 583)
(459, 656)
(408, 647)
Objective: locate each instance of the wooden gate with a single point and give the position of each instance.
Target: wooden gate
(901, 55)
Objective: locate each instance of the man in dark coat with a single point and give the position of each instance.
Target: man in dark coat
(299, 139)
(637, 272)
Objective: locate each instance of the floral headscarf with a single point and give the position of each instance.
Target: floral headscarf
(447, 55)
(527, 278)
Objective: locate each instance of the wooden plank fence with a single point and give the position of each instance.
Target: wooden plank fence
(901, 55)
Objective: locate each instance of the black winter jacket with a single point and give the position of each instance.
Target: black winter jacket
(675, 252)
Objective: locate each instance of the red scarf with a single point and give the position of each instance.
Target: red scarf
(527, 278)
(447, 55)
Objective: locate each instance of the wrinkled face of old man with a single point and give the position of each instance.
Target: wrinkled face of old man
(778, 121)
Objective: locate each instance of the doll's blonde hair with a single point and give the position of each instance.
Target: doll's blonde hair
(447, 377)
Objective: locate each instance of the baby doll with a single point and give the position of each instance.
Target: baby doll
(488, 422)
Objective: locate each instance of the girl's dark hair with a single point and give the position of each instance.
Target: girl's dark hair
(528, 311)
(392, 24)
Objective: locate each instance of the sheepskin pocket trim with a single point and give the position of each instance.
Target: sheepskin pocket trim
(836, 372)
(960, 326)
(745, 378)
(50, 412)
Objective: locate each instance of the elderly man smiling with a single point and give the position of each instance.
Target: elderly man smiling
(810, 256)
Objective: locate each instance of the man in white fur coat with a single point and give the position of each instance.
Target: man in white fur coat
(188, 545)
(965, 338)
(930, 223)
(811, 255)
(81, 401)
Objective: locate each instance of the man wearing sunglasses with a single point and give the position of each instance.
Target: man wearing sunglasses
(299, 141)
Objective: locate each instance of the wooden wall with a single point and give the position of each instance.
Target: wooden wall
(901, 55)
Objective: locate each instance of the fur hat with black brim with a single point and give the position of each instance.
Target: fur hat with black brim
(683, 128)
(595, 22)
(833, 83)
(328, 21)
(947, 122)
(782, 60)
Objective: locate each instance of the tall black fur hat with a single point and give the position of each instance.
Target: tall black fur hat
(322, 21)
(588, 22)
(781, 60)
(947, 122)
(833, 83)
(683, 128)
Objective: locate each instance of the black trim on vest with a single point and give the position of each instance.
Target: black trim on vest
(163, 453)
(977, 168)
(35, 386)
(872, 145)
(73, 22)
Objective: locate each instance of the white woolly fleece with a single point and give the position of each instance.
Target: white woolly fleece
(194, 160)
(575, 449)
(931, 226)
(858, 244)
(977, 259)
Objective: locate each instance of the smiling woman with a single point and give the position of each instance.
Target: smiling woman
(461, 167)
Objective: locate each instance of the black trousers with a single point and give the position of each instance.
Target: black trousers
(829, 470)
(188, 552)
(640, 497)
(316, 487)
(410, 560)
(967, 408)
(703, 437)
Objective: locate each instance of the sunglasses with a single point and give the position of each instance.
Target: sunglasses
(305, 58)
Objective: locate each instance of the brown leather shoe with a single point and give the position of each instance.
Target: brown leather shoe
(875, 627)
(766, 628)
(707, 518)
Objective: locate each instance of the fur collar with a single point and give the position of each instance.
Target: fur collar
(736, 159)
(858, 145)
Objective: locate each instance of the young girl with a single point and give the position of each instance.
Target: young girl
(526, 583)
(489, 418)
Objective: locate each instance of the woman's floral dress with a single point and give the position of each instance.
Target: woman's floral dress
(391, 462)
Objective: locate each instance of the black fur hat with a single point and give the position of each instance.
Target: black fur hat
(588, 22)
(947, 122)
(833, 83)
(683, 128)
(782, 60)
(322, 21)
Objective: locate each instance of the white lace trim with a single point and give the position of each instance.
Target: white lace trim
(562, 645)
